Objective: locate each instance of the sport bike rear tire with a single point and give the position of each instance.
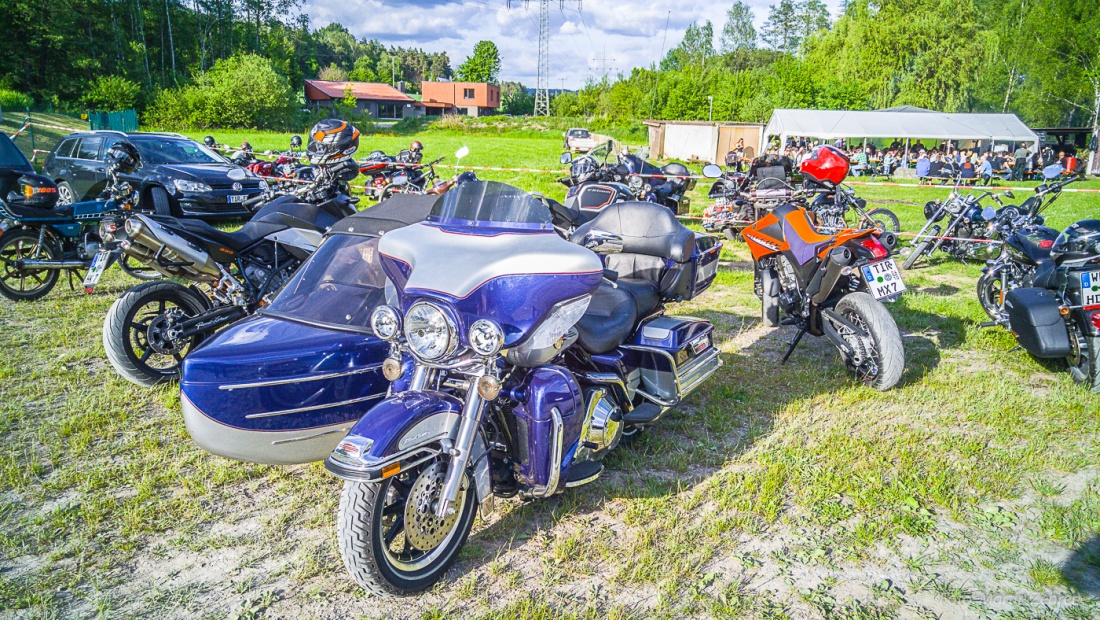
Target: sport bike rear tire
(1087, 369)
(869, 313)
(886, 218)
(123, 325)
(917, 252)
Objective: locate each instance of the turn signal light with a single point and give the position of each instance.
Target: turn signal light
(1094, 318)
(390, 470)
(1063, 310)
(877, 249)
(391, 369)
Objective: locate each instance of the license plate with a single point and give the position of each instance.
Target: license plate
(237, 198)
(1090, 289)
(700, 344)
(883, 278)
(99, 263)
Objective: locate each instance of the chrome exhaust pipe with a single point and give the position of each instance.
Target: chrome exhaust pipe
(171, 247)
(50, 264)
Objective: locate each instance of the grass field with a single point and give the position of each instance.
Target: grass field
(972, 490)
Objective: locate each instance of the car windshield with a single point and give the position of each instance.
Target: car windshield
(339, 286)
(492, 205)
(175, 151)
(11, 157)
(579, 133)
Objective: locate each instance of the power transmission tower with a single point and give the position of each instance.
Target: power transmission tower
(542, 87)
(604, 66)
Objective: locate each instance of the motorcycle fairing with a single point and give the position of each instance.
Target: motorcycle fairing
(1031, 244)
(551, 415)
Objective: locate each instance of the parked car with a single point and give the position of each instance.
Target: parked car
(579, 140)
(178, 176)
(13, 164)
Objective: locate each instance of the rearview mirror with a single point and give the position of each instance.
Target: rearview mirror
(237, 174)
(463, 151)
(989, 213)
(566, 158)
(1008, 194)
(711, 171)
(602, 241)
(1053, 171)
(14, 196)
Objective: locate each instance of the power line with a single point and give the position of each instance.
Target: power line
(542, 88)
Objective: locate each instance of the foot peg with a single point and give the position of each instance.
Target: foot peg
(645, 413)
(583, 473)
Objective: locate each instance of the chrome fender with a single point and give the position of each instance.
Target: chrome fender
(401, 432)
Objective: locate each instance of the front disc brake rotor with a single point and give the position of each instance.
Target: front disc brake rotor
(423, 529)
(158, 330)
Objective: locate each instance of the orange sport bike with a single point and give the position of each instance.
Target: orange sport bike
(830, 285)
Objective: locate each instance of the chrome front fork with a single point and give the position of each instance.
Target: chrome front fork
(460, 451)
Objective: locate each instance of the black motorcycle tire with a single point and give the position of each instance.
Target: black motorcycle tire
(360, 540)
(140, 273)
(162, 205)
(769, 303)
(1087, 369)
(20, 243)
(120, 320)
(884, 332)
(885, 219)
(917, 252)
(732, 234)
(989, 295)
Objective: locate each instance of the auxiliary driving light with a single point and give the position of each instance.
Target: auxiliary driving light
(488, 387)
(391, 369)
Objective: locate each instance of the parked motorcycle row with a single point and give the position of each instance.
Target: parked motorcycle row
(1041, 284)
(467, 340)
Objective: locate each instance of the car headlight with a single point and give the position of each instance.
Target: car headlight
(430, 334)
(486, 338)
(386, 323)
(192, 186)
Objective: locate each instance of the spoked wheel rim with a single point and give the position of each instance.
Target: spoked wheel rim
(992, 299)
(150, 340)
(25, 282)
(868, 360)
(407, 520)
(64, 195)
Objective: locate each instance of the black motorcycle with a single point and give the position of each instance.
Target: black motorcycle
(832, 211)
(1059, 315)
(152, 327)
(967, 232)
(1026, 245)
(607, 174)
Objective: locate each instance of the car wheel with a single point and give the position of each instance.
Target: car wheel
(161, 204)
(65, 193)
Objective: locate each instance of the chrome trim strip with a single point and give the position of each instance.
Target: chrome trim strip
(271, 414)
(306, 437)
(331, 375)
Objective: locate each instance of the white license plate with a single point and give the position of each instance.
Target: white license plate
(1090, 289)
(237, 198)
(99, 263)
(883, 278)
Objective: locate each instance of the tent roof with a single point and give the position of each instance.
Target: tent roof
(898, 124)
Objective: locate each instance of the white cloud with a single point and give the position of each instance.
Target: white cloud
(627, 34)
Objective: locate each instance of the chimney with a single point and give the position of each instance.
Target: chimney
(401, 86)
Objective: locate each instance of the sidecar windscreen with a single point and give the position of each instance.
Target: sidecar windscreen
(491, 204)
(339, 286)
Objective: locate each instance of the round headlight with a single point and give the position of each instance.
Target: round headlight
(431, 335)
(486, 338)
(385, 322)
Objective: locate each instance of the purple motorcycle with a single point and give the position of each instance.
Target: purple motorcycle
(517, 360)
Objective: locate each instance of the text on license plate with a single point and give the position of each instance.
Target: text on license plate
(237, 198)
(1090, 288)
(883, 278)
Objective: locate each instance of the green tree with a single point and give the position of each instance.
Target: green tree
(738, 33)
(112, 93)
(782, 29)
(694, 50)
(483, 66)
(332, 73)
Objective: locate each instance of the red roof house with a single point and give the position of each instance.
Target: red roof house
(380, 101)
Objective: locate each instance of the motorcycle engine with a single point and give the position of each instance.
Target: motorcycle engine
(602, 428)
(89, 248)
(790, 294)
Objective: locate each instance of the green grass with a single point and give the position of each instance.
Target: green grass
(774, 492)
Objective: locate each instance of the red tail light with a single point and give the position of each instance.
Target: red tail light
(1046, 244)
(877, 249)
(1094, 318)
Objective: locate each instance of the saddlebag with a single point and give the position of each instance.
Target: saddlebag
(1035, 321)
(675, 355)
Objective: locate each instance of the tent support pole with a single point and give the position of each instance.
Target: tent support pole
(906, 162)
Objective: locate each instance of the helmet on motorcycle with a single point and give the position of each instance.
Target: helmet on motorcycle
(583, 169)
(1079, 242)
(930, 209)
(332, 141)
(245, 146)
(295, 141)
(416, 146)
(122, 158)
(36, 191)
(826, 166)
(209, 141)
(465, 177)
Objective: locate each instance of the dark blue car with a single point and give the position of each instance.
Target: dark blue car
(177, 176)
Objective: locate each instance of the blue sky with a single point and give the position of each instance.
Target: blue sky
(627, 34)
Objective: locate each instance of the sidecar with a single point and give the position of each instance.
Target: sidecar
(286, 384)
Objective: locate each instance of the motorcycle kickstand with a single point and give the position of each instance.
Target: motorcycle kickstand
(797, 339)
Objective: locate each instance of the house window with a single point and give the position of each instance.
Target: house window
(467, 93)
(389, 110)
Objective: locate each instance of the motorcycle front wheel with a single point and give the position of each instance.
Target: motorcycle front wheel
(885, 220)
(25, 284)
(389, 537)
(881, 357)
(917, 252)
(991, 295)
(136, 332)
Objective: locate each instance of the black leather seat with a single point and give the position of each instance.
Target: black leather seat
(609, 320)
(645, 294)
(237, 240)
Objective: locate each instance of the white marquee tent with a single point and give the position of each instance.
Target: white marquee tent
(905, 123)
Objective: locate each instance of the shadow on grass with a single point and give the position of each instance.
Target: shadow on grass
(1082, 569)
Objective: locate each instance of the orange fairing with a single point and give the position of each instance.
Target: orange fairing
(767, 235)
(760, 243)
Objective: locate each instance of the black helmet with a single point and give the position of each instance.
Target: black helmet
(345, 170)
(1079, 242)
(332, 141)
(122, 158)
(245, 146)
(583, 169)
(416, 146)
(209, 141)
(466, 177)
(295, 141)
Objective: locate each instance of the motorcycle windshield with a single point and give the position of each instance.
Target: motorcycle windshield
(491, 205)
(339, 286)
